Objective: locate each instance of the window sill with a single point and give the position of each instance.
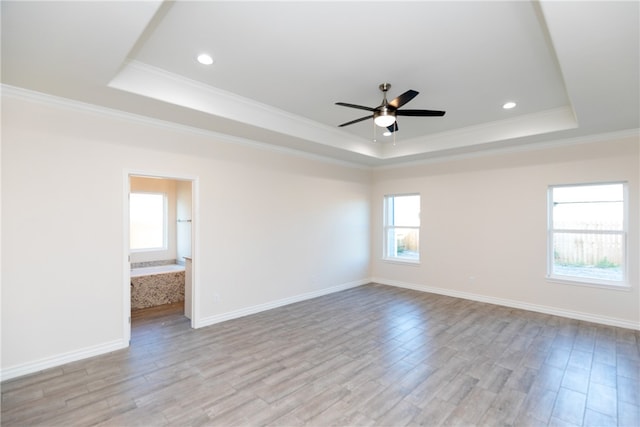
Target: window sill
(584, 282)
(401, 261)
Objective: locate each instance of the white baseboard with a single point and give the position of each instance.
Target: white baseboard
(211, 320)
(604, 320)
(61, 359)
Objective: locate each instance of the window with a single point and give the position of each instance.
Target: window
(587, 233)
(148, 221)
(402, 227)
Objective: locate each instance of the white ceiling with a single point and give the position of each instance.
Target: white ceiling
(572, 67)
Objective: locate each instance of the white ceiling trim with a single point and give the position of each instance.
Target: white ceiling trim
(83, 107)
(541, 145)
(70, 104)
(155, 83)
(152, 82)
(556, 119)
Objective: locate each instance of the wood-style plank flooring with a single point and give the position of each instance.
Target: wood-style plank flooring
(372, 355)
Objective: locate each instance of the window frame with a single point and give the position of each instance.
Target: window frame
(581, 280)
(165, 222)
(386, 228)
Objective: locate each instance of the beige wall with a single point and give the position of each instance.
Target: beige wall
(272, 227)
(484, 220)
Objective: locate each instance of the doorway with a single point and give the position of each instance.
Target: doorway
(160, 240)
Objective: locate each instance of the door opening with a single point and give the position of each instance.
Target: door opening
(160, 244)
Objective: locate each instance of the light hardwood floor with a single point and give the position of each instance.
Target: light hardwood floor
(372, 355)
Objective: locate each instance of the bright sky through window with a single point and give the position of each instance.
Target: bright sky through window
(147, 221)
(588, 207)
(406, 211)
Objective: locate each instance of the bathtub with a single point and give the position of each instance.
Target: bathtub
(156, 285)
(156, 269)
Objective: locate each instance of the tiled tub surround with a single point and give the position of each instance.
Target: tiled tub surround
(156, 285)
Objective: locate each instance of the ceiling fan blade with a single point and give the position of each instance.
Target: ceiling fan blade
(420, 113)
(360, 107)
(403, 99)
(355, 121)
(393, 128)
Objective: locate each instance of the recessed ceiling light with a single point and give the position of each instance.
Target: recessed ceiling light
(205, 59)
(509, 105)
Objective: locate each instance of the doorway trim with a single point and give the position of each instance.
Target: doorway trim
(195, 243)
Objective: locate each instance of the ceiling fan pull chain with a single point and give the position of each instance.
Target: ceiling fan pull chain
(374, 132)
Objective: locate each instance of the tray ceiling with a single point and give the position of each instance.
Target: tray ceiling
(279, 68)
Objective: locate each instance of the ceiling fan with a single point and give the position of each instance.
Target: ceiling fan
(385, 114)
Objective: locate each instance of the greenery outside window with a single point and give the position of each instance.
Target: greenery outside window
(402, 228)
(587, 233)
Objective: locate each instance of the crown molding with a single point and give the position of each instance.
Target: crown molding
(527, 125)
(155, 83)
(520, 148)
(390, 163)
(83, 107)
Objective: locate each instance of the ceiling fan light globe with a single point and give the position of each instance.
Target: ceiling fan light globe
(384, 120)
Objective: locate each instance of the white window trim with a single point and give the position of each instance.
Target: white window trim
(584, 281)
(624, 284)
(386, 228)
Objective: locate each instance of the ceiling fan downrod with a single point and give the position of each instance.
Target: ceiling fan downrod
(384, 116)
